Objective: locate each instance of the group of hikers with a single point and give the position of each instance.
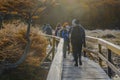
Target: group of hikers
(74, 34)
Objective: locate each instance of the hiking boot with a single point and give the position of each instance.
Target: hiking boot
(80, 62)
(76, 65)
(64, 56)
(68, 52)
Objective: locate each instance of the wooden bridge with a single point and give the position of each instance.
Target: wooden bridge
(93, 61)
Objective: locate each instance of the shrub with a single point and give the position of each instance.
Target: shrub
(108, 36)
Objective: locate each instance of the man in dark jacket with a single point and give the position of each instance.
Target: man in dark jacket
(77, 40)
(47, 29)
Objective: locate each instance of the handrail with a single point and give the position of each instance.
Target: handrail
(55, 71)
(51, 36)
(110, 47)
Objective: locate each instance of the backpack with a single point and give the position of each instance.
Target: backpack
(48, 30)
(64, 34)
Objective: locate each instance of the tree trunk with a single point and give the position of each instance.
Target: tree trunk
(27, 48)
(1, 22)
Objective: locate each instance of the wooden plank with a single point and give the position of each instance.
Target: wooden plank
(114, 48)
(51, 36)
(55, 71)
(48, 54)
(110, 65)
(53, 50)
(88, 71)
(100, 51)
(91, 39)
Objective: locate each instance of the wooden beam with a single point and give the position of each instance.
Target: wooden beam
(55, 71)
(114, 48)
(48, 54)
(91, 39)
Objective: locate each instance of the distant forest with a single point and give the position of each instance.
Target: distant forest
(93, 14)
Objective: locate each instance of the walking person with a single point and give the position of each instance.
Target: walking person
(77, 40)
(68, 28)
(65, 35)
(58, 28)
(47, 29)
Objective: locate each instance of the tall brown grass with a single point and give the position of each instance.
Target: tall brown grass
(12, 45)
(13, 42)
(109, 35)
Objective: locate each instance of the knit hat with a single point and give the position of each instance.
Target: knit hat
(75, 22)
(64, 25)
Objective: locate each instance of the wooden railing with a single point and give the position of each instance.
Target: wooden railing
(55, 71)
(110, 48)
(52, 40)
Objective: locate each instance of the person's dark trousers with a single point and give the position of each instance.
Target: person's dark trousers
(65, 48)
(77, 53)
(68, 48)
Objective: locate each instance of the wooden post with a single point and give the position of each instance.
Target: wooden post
(110, 60)
(85, 55)
(56, 43)
(53, 48)
(100, 60)
(1, 20)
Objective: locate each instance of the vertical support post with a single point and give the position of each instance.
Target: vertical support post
(53, 47)
(84, 50)
(56, 42)
(110, 60)
(100, 51)
(1, 20)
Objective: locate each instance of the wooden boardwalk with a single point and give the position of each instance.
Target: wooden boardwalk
(64, 69)
(88, 71)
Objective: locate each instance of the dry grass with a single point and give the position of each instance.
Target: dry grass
(109, 35)
(12, 45)
(13, 42)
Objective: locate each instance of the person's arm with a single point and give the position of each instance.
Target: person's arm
(44, 29)
(83, 37)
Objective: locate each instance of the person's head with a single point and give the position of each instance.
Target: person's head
(47, 24)
(58, 25)
(75, 22)
(65, 24)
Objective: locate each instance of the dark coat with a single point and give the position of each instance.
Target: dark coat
(78, 35)
(47, 30)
